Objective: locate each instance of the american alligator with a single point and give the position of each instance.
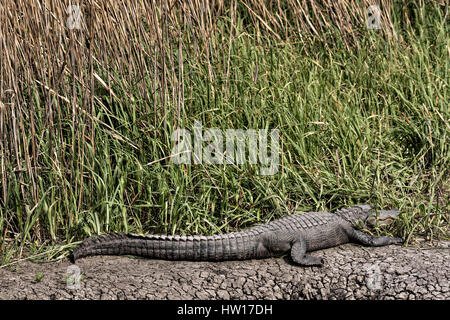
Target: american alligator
(298, 234)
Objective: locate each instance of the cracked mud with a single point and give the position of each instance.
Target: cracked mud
(350, 272)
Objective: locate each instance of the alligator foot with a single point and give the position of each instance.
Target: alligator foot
(368, 240)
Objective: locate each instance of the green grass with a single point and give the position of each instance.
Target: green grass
(369, 124)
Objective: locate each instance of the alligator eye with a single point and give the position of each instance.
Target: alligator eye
(385, 222)
(371, 221)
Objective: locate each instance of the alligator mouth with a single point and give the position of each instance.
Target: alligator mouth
(382, 217)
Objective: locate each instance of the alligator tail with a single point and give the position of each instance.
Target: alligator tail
(232, 246)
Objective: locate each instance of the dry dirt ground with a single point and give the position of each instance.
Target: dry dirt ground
(350, 272)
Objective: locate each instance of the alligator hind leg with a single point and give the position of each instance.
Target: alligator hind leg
(280, 242)
(298, 255)
(368, 240)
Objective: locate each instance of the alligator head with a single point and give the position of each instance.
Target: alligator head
(368, 215)
(381, 217)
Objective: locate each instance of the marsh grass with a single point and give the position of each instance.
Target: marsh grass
(86, 116)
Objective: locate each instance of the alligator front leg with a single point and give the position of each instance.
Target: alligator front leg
(368, 240)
